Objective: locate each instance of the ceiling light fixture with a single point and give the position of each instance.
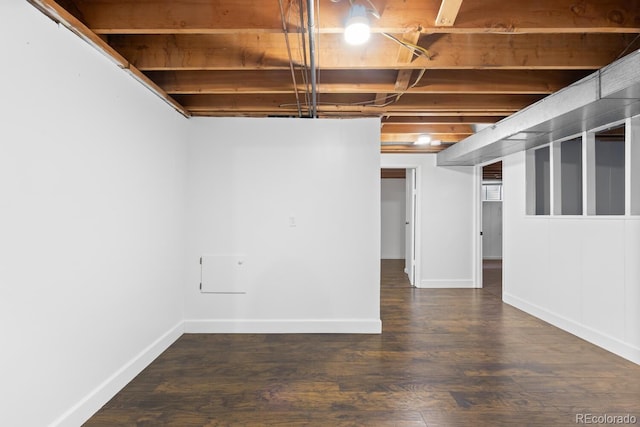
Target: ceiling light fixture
(423, 140)
(436, 142)
(357, 30)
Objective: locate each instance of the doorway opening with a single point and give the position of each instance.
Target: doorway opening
(491, 226)
(398, 220)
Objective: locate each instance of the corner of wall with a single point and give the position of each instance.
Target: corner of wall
(598, 338)
(92, 402)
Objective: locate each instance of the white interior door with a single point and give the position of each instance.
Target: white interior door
(410, 226)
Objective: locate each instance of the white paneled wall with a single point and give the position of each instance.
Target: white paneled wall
(632, 286)
(564, 275)
(603, 280)
(578, 273)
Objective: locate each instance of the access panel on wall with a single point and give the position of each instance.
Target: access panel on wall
(224, 274)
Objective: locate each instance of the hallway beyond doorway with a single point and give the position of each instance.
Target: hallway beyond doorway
(492, 276)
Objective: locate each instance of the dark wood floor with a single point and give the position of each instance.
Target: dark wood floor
(445, 358)
(492, 277)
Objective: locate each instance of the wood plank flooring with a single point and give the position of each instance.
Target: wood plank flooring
(455, 357)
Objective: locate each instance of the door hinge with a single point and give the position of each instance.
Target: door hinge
(200, 285)
(200, 260)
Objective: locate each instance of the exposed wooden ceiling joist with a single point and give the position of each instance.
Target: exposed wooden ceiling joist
(367, 81)
(393, 173)
(450, 51)
(442, 119)
(492, 172)
(396, 16)
(412, 149)
(479, 104)
(432, 129)
(229, 57)
(411, 137)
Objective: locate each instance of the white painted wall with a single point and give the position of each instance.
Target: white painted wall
(92, 171)
(446, 235)
(578, 273)
(393, 196)
(247, 179)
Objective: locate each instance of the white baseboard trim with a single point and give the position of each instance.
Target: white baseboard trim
(92, 402)
(589, 334)
(447, 283)
(283, 326)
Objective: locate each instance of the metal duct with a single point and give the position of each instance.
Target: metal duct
(312, 55)
(606, 96)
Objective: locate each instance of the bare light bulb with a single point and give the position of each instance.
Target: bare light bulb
(423, 140)
(357, 30)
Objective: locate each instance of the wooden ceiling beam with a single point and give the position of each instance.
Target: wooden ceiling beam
(381, 99)
(410, 137)
(415, 149)
(271, 81)
(478, 104)
(387, 173)
(403, 78)
(452, 51)
(234, 16)
(497, 81)
(446, 120)
(405, 55)
(369, 81)
(432, 116)
(431, 129)
(492, 171)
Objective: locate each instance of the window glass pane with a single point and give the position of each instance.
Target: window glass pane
(571, 176)
(610, 171)
(542, 182)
